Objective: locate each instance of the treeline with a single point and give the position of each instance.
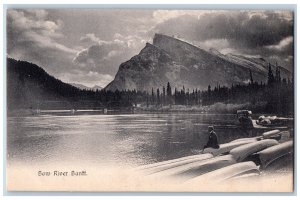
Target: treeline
(274, 96)
(29, 86)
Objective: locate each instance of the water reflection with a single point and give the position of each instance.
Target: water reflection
(113, 139)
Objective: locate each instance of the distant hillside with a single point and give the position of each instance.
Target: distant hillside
(83, 87)
(28, 86)
(80, 86)
(172, 60)
(96, 87)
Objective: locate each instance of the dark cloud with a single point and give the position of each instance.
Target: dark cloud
(53, 39)
(263, 33)
(284, 47)
(240, 28)
(106, 56)
(72, 43)
(97, 56)
(32, 37)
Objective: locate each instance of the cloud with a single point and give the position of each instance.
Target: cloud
(89, 37)
(60, 41)
(97, 53)
(38, 13)
(239, 28)
(262, 33)
(27, 24)
(31, 36)
(88, 78)
(160, 16)
(71, 43)
(106, 56)
(282, 45)
(221, 44)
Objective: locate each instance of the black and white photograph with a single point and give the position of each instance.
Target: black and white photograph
(149, 100)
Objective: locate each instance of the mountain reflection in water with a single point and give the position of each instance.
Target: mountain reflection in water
(132, 139)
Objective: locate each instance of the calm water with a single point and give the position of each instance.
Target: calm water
(102, 140)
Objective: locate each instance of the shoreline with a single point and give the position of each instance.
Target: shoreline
(22, 113)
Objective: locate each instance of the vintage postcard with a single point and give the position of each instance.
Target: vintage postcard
(150, 100)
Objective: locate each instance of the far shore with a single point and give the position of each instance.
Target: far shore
(217, 108)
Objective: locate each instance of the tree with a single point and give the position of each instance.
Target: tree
(277, 75)
(169, 93)
(270, 76)
(158, 96)
(209, 94)
(164, 96)
(147, 100)
(169, 90)
(176, 96)
(152, 97)
(251, 78)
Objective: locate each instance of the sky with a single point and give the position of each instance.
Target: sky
(86, 46)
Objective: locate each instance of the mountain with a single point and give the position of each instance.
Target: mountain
(97, 87)
(80, 86)
(182, 64)
(83, 87)
(28, 86)
(253, 63)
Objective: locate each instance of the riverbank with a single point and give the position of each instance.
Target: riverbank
(217, 108)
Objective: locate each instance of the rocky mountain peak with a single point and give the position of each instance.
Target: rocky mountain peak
(150, 51)
(172, 60)
(214, 51)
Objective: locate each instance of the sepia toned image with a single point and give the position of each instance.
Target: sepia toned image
(149, 100)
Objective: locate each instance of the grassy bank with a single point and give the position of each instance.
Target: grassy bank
(214, 108)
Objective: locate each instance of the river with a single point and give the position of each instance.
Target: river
(108, 147)
(127, 139)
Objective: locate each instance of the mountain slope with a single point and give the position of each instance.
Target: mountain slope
(83, 87)
(96, 87)
(152, 67)
(253, 63)
(28, 85)
(80, 86)
(171, 60)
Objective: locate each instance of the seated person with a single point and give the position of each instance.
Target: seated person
(212, 139)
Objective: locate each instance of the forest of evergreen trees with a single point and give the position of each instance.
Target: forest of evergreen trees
(29, 86)
(274, 96)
